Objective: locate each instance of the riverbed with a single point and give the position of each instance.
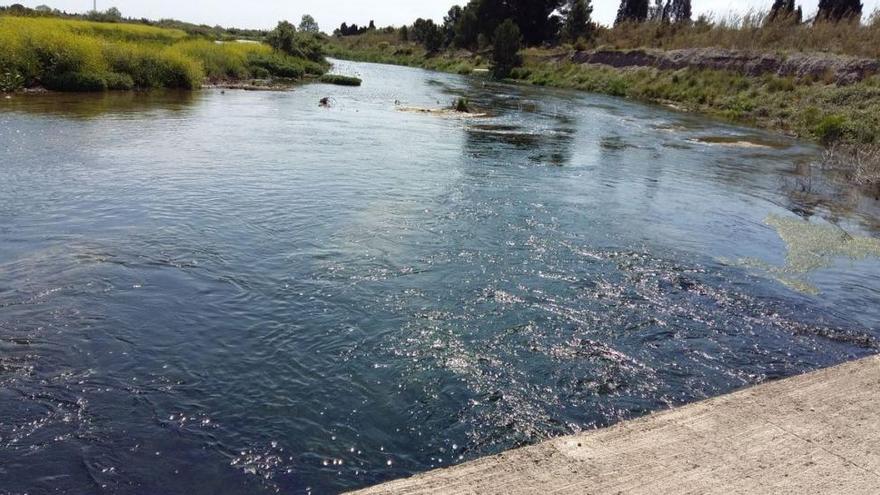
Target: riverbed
(246, 292)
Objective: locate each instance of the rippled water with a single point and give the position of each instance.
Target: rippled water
(245, 293)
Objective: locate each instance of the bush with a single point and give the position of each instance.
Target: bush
(78, 56)
(340, 80)
(151, 68)
(75, 81)
(119, 81)
(10, 81)
(830, 129)
(275, 65)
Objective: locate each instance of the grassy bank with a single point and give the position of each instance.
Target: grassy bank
(75, 55)
(845, 118)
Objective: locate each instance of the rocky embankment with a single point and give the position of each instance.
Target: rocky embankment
(839, 69)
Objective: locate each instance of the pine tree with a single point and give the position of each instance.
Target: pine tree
(784, 11)
(839, 10)
(680, 11)
(632, 11)
(578, 23)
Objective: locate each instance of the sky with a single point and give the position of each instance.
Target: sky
(331, 13)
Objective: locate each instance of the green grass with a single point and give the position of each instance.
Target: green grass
(340, 80)
(74, 55)
(836, 116)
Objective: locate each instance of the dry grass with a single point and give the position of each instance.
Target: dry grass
(859, 163)
(749, 31)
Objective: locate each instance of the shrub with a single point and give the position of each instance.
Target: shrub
(10, 81)
(116, 80)
(830, 129)
(75, 81)
(276, 65)
(340, 80)
(77, 55)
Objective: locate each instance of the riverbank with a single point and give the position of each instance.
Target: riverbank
(76, 55)
(814, 433)
(831, 99)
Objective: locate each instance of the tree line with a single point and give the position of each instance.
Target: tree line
(480, 23)
(552, 21)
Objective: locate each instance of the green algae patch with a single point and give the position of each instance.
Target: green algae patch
(811, 247)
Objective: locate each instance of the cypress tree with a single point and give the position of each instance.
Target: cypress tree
(839, 10)
(578, 22)
(632, 11)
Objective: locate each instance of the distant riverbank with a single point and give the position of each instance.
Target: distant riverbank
(77, 55)
(830, 99)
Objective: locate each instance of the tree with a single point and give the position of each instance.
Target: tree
(308, 25)
(536, 19)
(467, 29)
(450, 21)
(578, 23)
(680, 11)
(839, 10)
(283, 38)
(632, 11)
(505, 55)
(784, 11)
(428, 34)
(372, 26)
(403, 33)
(113, 13)
(659, 12)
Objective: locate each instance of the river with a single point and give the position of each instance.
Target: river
(243, 292)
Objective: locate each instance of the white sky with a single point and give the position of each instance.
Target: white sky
(331, 13)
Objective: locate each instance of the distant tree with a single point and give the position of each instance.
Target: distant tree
(659, 12)
(450, 21)
(420, 28)
(784, 11)
(632, 11)
(372, 26)
(537, 19)
(403, 33)
(428, 34)
(467, 29)
(577, 23)
(680, 11)
(43, 8)
(308, 25)
(505, 55)
(113, 13)
(839, 10)
(343, 29)
(283, 38)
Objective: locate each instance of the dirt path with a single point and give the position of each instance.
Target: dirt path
(816, 433)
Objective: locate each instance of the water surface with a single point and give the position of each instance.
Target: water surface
(241, 292)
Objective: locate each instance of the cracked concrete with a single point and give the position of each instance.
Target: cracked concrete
(815, 433)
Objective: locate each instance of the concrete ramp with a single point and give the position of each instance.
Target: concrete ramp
(813, 434)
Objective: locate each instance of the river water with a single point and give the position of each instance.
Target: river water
(242, 292)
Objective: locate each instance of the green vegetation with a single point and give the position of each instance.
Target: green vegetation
(841, 114)
(75, 55)
(340, 80)
(505, 54)
(462, 105)
(113, 15)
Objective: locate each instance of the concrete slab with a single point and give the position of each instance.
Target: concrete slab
(816, 433)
